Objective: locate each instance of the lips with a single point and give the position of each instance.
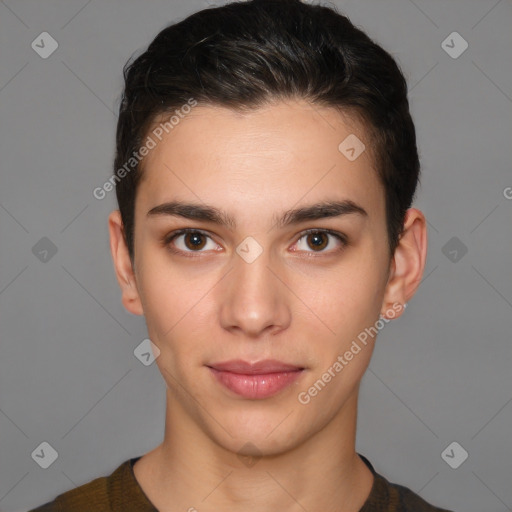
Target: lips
(258, 368)
(259, 380)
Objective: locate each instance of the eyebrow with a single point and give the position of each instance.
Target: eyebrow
(208, 213)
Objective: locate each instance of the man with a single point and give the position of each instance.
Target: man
(265, 169)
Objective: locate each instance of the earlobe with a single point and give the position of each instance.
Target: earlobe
(407, 265)
(122, 264)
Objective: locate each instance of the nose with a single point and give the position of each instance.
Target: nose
(255, 300)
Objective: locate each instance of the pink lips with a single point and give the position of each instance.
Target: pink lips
(255, 381)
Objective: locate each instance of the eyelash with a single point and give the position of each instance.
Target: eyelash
(190, 254)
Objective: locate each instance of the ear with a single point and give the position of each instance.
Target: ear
(123, 265)
(407, 264)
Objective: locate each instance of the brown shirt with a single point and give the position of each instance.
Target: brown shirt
(120, 492)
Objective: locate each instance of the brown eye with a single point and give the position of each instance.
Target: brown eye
(194, 240)
(189, 241)
(318, 240)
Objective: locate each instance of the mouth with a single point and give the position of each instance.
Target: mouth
(259, 380)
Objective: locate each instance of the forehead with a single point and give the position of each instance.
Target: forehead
(264, 160)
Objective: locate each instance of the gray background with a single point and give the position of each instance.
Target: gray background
(68, 374)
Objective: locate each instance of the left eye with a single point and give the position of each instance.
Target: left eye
(319, 240)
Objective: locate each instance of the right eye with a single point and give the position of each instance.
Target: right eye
(188, 240)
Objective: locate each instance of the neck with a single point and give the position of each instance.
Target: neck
(190, 471)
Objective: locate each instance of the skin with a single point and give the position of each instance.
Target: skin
(294, 302)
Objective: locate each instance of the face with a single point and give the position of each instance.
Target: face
(249, 283)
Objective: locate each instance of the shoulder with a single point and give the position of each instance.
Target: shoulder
(408, 501)
(98, 495)
(386, 496)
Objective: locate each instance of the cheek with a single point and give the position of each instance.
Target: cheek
(165, 288)
(178, 314)
(343, 301)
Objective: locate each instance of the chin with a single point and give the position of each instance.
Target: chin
(258, 438)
